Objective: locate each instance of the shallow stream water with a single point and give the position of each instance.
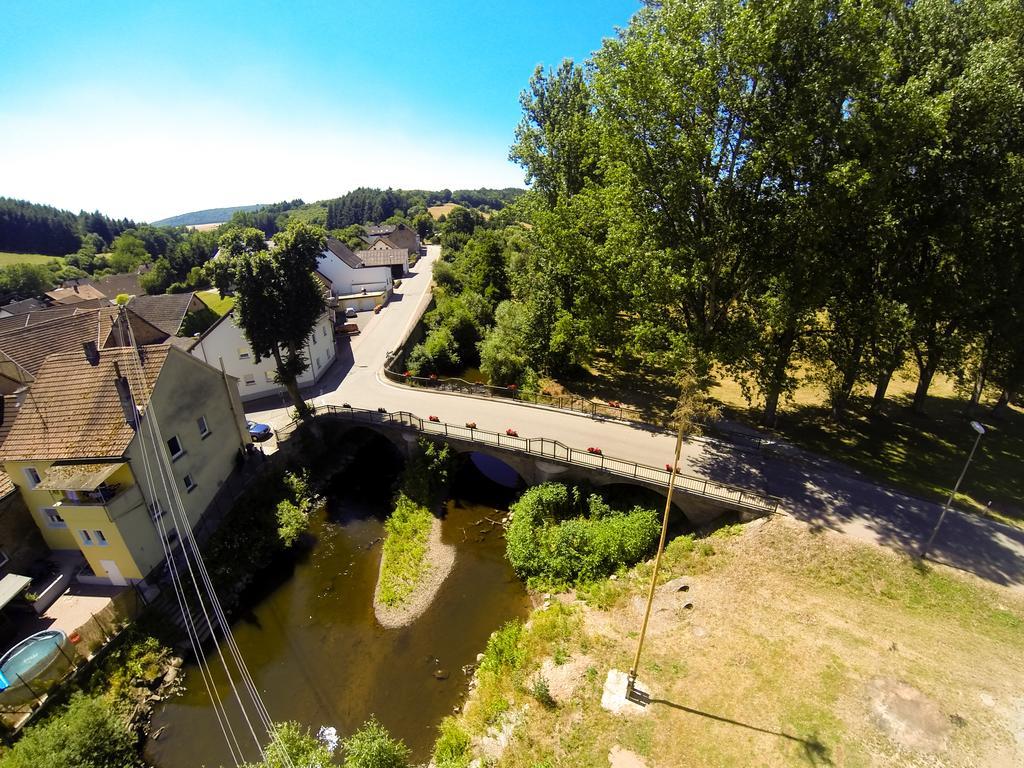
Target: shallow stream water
(319, 656)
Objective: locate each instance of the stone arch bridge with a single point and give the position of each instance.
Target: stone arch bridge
(541, 459)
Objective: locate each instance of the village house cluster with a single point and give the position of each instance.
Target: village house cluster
(81, 377)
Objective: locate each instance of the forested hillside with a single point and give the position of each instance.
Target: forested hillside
(32, 228)
(206, 216)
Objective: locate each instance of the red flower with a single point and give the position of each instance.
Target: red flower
(433, 377)
(513, 387)
(408, 374)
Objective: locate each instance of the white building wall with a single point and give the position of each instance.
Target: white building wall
(346, 280)
(227, 343)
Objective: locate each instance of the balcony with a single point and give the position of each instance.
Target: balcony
(99, 497)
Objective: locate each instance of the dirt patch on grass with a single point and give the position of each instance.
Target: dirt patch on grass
(563, 679)
(907, 716)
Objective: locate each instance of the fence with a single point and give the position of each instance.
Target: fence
(546, 448)
(95, 637)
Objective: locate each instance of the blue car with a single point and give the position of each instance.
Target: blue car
(259, 432)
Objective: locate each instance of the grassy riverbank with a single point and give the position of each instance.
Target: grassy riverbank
(799, 647)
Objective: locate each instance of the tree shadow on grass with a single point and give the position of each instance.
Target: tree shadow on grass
(814, 751)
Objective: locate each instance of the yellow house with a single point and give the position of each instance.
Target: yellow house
(75, 456)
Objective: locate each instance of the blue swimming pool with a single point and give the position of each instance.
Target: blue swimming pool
(33, 665)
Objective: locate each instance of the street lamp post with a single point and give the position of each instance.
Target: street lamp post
(945, 507)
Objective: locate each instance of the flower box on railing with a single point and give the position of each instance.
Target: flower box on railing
(511, 432)
(434, 419)
(471, 424)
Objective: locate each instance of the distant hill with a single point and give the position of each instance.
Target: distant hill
(209, 216)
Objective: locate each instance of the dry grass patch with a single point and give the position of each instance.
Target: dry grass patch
(800, 648)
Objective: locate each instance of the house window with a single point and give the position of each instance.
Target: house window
(318, 361)
(250, 379)
(314, 339)
(204, 428)
(190, 484)
(155, 512)
(32, 476)
(53, 518)
(101, 540)
(324, 329)
(269, 376)
(244, 353)
(174, 446)
(86, 538)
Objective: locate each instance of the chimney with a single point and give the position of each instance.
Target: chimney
(92, 354)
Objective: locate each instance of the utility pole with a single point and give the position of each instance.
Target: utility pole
(977, 427)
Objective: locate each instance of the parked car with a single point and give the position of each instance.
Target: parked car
(350, 312)
(259, 432)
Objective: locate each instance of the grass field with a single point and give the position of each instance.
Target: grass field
(921, 454)
(217, 305)
(7, 258)
(790, 647)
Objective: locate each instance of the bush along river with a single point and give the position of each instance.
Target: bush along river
(312, 642)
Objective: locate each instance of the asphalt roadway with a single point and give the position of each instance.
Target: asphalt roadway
(821, 492)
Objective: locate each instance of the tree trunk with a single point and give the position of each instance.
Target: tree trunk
(924, 381)
(841, 399)
(292, 386)
(881, 386)
(1003, 403)
(777, 377)
(979, 379)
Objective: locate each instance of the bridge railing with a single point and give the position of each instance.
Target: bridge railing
(546, 448)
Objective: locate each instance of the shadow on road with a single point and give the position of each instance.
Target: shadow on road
(827, 499)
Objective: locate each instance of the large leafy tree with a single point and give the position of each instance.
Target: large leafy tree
(278, 299)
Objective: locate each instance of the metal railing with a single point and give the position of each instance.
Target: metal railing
(565, 402)
(546, 448)
(589, 407)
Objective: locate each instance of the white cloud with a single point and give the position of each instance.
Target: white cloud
(145, 161)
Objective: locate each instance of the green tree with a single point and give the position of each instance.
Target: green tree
(556, 141)
(372, 747)
(278, 301)
(127, 253)
(89, 733)
(292, 746)
(158, 278)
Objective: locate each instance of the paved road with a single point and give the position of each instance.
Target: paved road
(841, 501)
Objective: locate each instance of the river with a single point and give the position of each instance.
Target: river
(318, 655)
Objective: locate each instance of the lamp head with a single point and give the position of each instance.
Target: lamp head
(977, 427)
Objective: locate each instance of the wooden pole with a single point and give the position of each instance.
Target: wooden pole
(631, 681)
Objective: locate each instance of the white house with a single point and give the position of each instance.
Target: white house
(349, 274)
(224, 345)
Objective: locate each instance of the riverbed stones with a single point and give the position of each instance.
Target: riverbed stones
(441, 674)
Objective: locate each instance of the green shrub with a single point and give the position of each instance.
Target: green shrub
(451, 750)
(295, 747)
(541, 691)
(557, 540)
(89, 733)
(504, 651)
(291, 521)
(372, 747)
(425, 478)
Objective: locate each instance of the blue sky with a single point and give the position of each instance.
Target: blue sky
(146, 110)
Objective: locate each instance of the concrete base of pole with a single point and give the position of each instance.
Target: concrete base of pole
(614, 698)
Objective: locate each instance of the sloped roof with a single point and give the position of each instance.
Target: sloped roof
(23, 306)
(166, 312)
(50, 313)
(10, 412)
(382, 229)
(344, 253)
(28, 347)
(403, 237)
(114, 285)
(75, 295)
(74, 410)
(384, 257)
